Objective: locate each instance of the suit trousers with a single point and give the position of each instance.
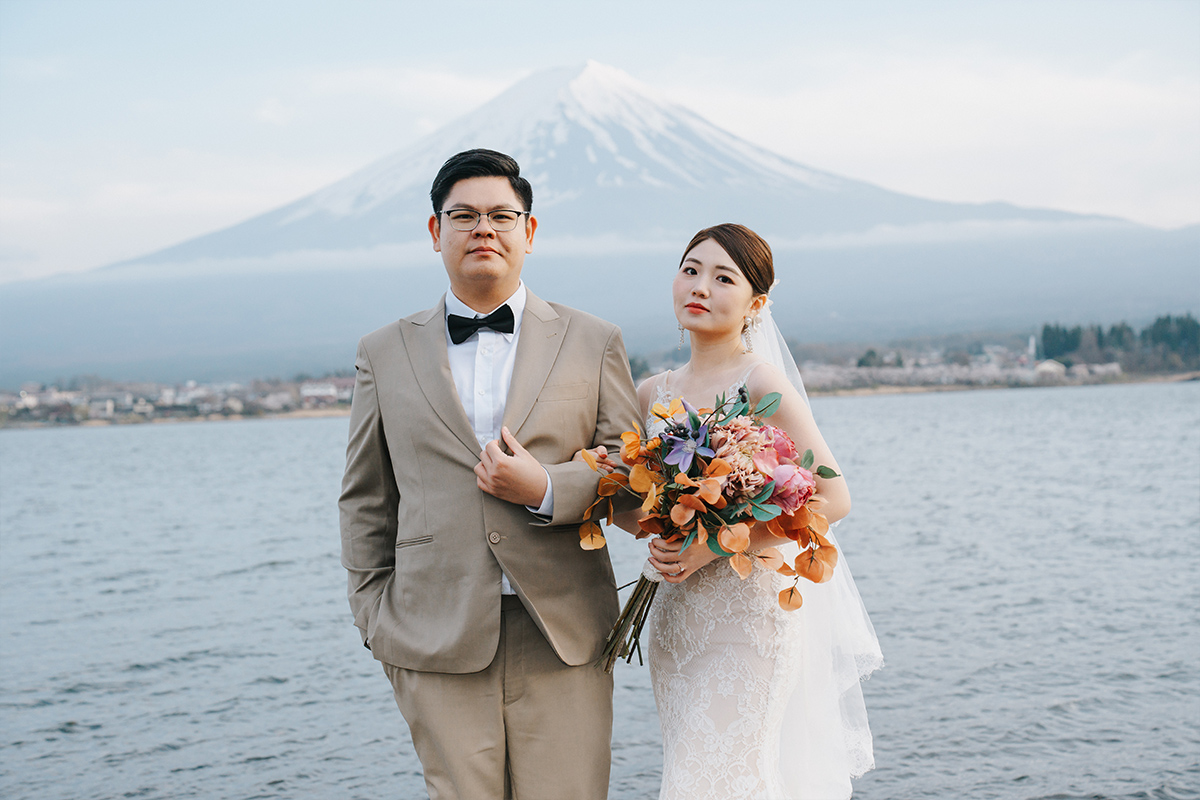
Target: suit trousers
(528, 727)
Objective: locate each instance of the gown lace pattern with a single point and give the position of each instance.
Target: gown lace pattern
(756, 702)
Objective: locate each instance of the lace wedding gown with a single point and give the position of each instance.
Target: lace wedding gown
(756, 702)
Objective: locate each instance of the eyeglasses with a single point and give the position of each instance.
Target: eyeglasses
(502, 219)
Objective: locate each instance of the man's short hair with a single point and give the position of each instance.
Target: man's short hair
(479, 164)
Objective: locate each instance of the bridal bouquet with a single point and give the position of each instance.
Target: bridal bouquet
(708, 477)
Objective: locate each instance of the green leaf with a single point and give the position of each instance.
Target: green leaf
(807, 461)
(715, 546)
(695, 420)
(687, 541)
(825, 472)
(765, 494)
(768, 405)
(764, 513)
(732, 512)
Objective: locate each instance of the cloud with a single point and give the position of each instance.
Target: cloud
(138, 204)
(412, 87)
(977, 127)
(51, 67)
(16, 257)
(16, 210)
(274, 111)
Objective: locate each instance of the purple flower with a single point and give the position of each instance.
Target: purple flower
(686, 442)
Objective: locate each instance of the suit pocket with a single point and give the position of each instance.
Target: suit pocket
(414, 541)
(554, 392)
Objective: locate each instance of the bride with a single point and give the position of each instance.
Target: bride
(754, 701)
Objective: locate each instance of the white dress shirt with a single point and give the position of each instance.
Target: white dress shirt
(482, 367)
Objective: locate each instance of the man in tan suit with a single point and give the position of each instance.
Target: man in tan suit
(461, 504)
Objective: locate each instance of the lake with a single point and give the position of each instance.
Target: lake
(173, 620)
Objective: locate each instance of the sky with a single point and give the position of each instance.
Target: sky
(131, 125)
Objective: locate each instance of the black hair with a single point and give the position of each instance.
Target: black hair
(748, 250)
(479, 164)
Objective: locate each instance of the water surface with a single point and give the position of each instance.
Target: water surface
(173, 620)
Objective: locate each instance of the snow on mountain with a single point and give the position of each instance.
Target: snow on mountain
(626, 134)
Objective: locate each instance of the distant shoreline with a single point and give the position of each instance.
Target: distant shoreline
(1164, 377)
(863, 391)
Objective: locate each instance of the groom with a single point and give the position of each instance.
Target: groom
(460, 508)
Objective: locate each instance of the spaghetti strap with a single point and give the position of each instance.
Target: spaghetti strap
(662, 390)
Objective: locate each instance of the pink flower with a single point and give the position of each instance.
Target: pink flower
(739, 442)
(778, 448)
(783, 444)
(793, 486)
(766, 461)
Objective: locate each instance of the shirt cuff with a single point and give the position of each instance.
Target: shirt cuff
(546, 509)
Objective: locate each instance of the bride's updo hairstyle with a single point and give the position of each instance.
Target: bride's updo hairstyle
(750, 253)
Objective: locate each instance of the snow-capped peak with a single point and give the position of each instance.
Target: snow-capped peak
(587, 126)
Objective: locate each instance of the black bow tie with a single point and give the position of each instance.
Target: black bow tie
(461, 328)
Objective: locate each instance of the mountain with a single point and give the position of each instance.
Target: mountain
(622, 178)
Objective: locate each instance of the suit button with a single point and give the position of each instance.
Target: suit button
(494, 537)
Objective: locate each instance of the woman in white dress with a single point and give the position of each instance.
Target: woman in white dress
(754, 701)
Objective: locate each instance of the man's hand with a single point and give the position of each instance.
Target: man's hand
(518, 478)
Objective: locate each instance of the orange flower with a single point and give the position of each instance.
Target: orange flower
(590, 537)
(631, 446)
(710, 490)
(686, 508)
(734, 538)
(742, 564)
(826, 552)
(792, 526)
(641, 478)
(667, 412)
(616, 480)
(790, 599)
(717, 468)
(651, 500)
(652, 525)
(771, 558)
(817, 563)
(810, 567)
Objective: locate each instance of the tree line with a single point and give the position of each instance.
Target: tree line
(1170, 343)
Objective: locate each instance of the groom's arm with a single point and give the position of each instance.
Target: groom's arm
(574, 482)
(369, 500)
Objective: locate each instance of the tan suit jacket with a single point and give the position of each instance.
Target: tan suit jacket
(424, 546)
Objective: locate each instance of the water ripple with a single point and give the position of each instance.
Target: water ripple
(174, 624)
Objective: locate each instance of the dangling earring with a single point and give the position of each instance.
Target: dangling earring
(680, 347)
(747, 345)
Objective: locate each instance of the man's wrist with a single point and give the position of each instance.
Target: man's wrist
(546, 507)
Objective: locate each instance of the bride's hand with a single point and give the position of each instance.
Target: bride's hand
(600, 453)
(675, 566)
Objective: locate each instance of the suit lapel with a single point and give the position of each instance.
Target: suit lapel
(542, 331)
(425, 342)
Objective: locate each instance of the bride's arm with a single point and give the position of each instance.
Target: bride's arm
(796, 419)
